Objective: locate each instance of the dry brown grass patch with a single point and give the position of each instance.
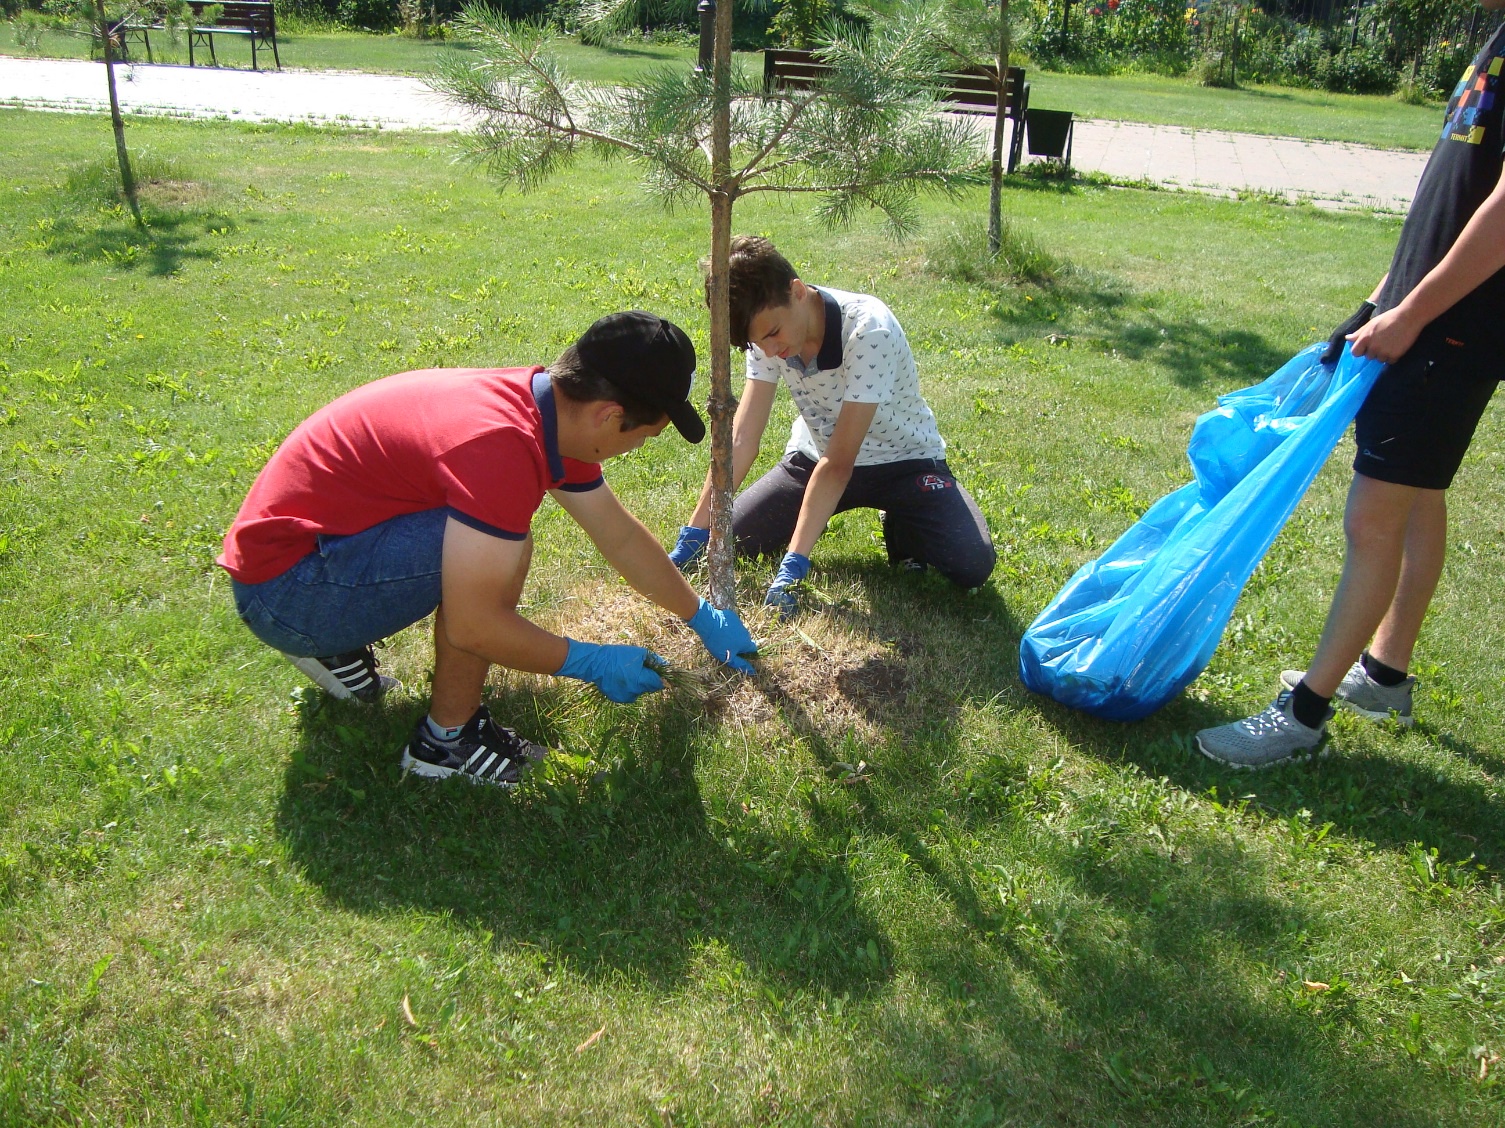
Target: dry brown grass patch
(826, 674)
(169, 193)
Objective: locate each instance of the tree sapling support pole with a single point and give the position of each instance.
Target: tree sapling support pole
(122, 156)
(720, 553)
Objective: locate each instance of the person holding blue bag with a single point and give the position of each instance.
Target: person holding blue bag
(1437, 320)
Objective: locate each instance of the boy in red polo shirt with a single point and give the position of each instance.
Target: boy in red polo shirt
(414, 494)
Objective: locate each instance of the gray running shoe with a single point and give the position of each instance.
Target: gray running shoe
(1271, 737)
(1361, 694)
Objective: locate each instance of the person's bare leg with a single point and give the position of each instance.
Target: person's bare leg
(1421, 568)
(1375, 523)
(458, 674)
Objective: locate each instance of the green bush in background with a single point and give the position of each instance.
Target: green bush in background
(1364, 48)
(1416, 48)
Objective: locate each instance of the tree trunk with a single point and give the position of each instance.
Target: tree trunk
(1000, 109)
(721, 551)
(122, 157)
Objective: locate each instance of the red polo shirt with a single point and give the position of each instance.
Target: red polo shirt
(479, 442)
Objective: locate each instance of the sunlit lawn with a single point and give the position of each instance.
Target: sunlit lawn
(881, 885)
(1280, 111)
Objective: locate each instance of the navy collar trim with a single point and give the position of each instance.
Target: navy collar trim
(829, 356)
(543, 395)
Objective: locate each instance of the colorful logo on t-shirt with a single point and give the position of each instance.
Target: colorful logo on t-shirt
(1471, 100)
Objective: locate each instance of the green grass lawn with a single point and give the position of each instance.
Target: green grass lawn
(881, 885)
(1279, 111)
(384, 54)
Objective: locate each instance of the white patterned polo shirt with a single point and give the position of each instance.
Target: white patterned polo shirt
(864, 358)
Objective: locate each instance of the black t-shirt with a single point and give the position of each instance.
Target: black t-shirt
(1462, 171)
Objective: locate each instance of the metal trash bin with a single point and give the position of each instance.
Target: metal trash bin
(1049, 134)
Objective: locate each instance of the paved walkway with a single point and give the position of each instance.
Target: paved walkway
(1328, 173)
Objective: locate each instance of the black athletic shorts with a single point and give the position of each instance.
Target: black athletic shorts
(1418, 421)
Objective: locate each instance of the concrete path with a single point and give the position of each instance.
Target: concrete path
(1327, 173)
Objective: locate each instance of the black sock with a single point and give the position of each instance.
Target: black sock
(1381, 673)
(1309, 707)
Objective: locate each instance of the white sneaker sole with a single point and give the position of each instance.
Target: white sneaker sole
(1317, 753)
(319, 674)
(1291, 678)
(411, 763)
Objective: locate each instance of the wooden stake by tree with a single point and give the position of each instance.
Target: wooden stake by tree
(105, 30)
(869, 135)
(976, 33)
(105, 27)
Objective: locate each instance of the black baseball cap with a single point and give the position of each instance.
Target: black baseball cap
(650, 359)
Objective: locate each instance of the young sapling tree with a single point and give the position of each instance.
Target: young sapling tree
(870, 134)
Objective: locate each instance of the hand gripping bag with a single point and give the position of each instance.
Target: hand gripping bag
(1133, 628)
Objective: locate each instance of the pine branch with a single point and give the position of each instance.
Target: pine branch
(792, 115)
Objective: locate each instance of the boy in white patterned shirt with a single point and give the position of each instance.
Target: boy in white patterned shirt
(865, 437)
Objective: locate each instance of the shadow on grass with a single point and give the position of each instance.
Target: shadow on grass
(1034, 294)
(1104, 315)
(168, 243)
(1164, 988)
(92, 224)
(1106, 974)
(1174, 996)
(623, 871)
(623, 51)
(1266, 94)
(1389, 802)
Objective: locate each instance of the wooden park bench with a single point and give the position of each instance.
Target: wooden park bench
(254, 20)
(973, 91)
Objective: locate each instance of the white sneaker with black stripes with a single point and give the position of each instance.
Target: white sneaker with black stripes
(344, 676)
(483, 753)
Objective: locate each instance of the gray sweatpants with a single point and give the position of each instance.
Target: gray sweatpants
(928, 518)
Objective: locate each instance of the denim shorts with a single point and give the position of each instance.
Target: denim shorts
(352, 591)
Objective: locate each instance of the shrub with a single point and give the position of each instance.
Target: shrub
(27, 27)
(1441, 70)
(1360, 70)
(1425, 43)
(799, 23)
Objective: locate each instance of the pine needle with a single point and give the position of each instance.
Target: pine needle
(678, 677)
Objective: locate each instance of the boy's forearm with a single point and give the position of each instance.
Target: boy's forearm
(827, 483)
(744, 454)
(701, 518)
(504, 638)
(640, 560)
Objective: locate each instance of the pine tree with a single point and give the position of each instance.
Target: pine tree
(870, 134)
(976, 33)
(104, 24)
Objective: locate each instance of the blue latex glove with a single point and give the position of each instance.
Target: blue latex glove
(724, 636)
(792, 570)
(691, 544)
(617, 671)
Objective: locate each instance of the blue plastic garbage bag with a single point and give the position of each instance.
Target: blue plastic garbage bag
(1132, 629)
